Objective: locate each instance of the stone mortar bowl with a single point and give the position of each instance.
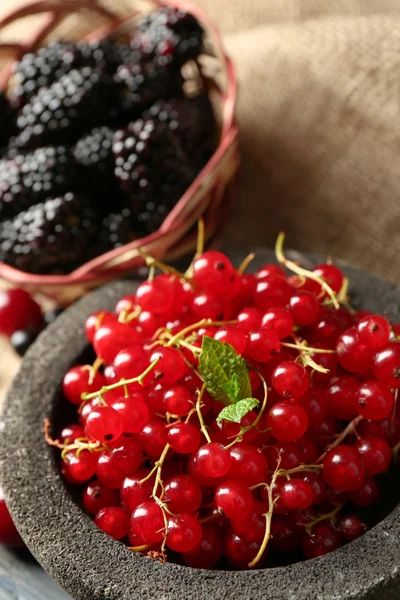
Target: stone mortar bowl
(92, 566)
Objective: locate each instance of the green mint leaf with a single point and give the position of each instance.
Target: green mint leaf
(219, 366)
(236, 412)
(232, 389)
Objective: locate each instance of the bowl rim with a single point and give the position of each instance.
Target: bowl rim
(91, 271)
(87, 562)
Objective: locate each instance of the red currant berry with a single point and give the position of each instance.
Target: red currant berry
(70, 433)
(206, 306)
(332, 275)
(208, 552)
(310, 450)
(202, 480)
(134, 411)
(18, 311)
(304, 308)
(327, 361)
(249, 318)
(97, 496)
(87, 409)
(184, 438)
(170, 367)
(240, 553)
(78, 380)
(297, 493)
(285, 536)
(350, 527)
(375, 453)
(148, 323)
(252, 528)
(178, 400)
(315, 403)
(9, 535)
(78, 468)
(325, 432)
(290, 380)
(388, 429)
(248, 464)
(147, 522)
(111, 337)
(343, 469)
(352, 354)
(231, 430)
(156, 296)
(272, 292)
(212, 460)
(233, 498)
(366, 494)
(387, 365)
(213, 271)
(374, 400)
(278, 320)
(262, 345)
(321, 540)
(114, 520)
(269, 269)
(104, 424)
(341, 393)
(184, 533)
(182, 493)
(246, 288)
(288, 421)
(317, 483)
(232, 335)
(113, 467)
(373, 331)
(135, 491)
(93, 323)
(326, 329)
(153, 438)
(131, 362)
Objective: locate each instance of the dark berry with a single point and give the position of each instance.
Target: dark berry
(7, 119)
(22, 340)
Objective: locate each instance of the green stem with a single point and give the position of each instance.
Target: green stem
(203, 428)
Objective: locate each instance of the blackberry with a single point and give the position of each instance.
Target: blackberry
(65, 109)
(30, 178)
(48, 236)
(152, 169)
(169, 36)
(192, 120)
(116, 230)
(144, 84)
(7, 120)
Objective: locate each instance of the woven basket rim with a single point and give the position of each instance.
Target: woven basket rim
(90, 272)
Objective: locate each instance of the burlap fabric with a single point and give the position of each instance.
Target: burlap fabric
(319, 111)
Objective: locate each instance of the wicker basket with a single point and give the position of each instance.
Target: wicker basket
(209, 193)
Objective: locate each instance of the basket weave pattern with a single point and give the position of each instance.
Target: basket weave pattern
(209, 193)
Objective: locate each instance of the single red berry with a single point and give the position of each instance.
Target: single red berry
(93, 322)
(148, 323)
(249, 318)
(246, 287)
(182, 494)
(350, 527)
(184, 438)
(232, 335)
(19, 311)
(315, 403)
(9, 535)
(290, 380)
(206, 306)
(178, 400)
(279, 320)
(269, 269)
(147, 522)
(285, 536)
(130, 362)
(343, 469)
(387, 365)
(326, 329)
(203, 480)
(332, 275)
(78, 468)
(135, 491)
(233, 498)
(288, 421)
(112, 467)
(79, 380)
(341, 393)
(213, 271)
(208, 552)
(70, 433)
(153, 438)
(252, 528)
(134, 411)
(114, 521)
(262, 344)
(248, 464)
(238, 552)
(321, 540)
(156, 296)
(374, 400)
(375, 453)
(297, 493)
(373, 331)
(304, 308)
(317, 483)
(104, 424)
(272, 292)
(352, 354)
(170, 367)
(366, 494)
(184, 532)
(212, 460)
(97, 496)
(111, 337)
(325, 432)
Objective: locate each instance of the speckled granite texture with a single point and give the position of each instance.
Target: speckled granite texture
(92, 566)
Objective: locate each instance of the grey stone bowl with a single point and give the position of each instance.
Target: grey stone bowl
(92, 566)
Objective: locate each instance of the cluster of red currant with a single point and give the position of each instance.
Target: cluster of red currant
(228, 412)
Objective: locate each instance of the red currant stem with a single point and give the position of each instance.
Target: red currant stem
(302, 347)
(292, 266)
(163, 267)
(152, 269)
(81, 444)
(307, 361)
(393, 330)
(245, 263)
(396, 450)
(99, 319)
(394, 411)
(343, 297)
(351, 428)
(133, 315)
(288, 473)
(122, 383)
(203, 428)
(189, 415)
(47, 436)
(93, 369)
(159, 465)
(328, 516)
(204, 322)
(122, 315)
(199, 247)
(140, 548)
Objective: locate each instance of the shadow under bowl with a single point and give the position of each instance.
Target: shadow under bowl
(92, 566)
